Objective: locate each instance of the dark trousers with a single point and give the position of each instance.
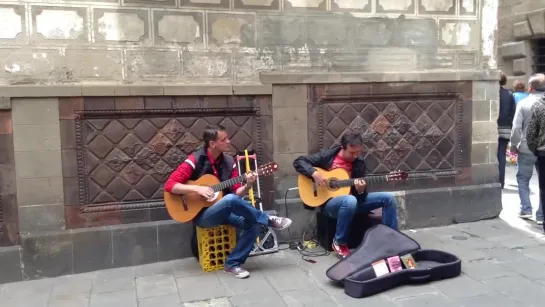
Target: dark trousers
(541, 178)
(502, 148)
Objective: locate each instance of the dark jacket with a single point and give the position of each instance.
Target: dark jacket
(535, 135)
(203, 166)
(506, 113)
(324, 159)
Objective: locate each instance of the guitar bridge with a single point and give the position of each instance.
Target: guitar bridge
(184, 203)
(314, 188)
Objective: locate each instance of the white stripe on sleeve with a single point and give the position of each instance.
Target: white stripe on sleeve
(190, 163)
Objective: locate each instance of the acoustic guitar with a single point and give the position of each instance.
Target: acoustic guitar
(184, 208)
(338, 183)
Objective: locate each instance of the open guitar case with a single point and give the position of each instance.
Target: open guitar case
(381, 242)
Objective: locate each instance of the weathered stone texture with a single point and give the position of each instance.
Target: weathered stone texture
(520, 24)
(192, 41)
(36, 143)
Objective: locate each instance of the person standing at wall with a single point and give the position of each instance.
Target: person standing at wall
(526, 158)
(535, 138)
(505, 123)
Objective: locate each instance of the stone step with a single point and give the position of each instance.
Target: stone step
(10, 264)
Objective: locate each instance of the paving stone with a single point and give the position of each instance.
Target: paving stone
(485, 269)
(503, 254)
(409, 291)
(73, 284)
(216, 302)
(187, 267)
(105, 285)
(462, 286)
(537, 253)
(257, 283)
(289, 278)
(426, 300)
(307, 297)
(125, 298)
(28, 288)
(157, 268)
(372, 301)
(463, 252)
(156, 285)
(519, 289)
(518, 240)
(69, 300)
(251, 299)
(169, 300)
(529, 268)
(489, 300)
(39, 300)
(201, 287)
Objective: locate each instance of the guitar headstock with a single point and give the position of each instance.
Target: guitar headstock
(397, 175)
(267, 169)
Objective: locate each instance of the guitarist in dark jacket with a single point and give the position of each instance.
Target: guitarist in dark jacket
(344, 208)
(231, 209)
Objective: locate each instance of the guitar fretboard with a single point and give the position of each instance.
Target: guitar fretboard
(382, 178)
(228, 183)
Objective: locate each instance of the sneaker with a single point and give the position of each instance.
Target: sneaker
(238, 272)
(279, 223)
(342, 250)
(525, 215)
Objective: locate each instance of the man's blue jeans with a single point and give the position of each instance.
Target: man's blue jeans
(525, 169)
(502, 159)
(344, 208)
(233, 210)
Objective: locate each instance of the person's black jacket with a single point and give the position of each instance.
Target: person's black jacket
(507, 109)
(324, 159)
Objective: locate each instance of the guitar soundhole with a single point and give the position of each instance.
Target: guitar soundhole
(331, 184)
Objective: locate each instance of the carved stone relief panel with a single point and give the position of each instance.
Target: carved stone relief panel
(125, 157)
(409, 131)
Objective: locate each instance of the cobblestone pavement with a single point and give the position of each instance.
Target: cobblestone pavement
(503, 265)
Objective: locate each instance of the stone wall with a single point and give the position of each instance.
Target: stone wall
(520, 23)
(231, 41)
(82, 175)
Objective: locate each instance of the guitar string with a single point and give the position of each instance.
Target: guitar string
(230, 182)
(375, 179)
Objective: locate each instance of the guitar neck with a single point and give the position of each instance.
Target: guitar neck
(228, 183)
(350, 182)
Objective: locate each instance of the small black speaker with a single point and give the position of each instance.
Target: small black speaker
(327, 226)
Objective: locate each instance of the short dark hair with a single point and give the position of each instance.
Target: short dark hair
(351, 138)
(211, 133)
(503, 79)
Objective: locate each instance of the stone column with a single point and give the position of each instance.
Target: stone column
(37, 146)
(289, 108)
(485, 132)
(8, 198)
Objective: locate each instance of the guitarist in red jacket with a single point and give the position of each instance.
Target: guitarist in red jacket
(344, 208)
(231, 209)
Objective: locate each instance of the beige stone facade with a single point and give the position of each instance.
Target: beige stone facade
(231, 41)
(521, 27)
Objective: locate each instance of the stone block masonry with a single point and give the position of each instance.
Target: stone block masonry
(98, 161)
(231, 41)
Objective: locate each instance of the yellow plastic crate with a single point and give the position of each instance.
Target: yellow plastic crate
(215, 244)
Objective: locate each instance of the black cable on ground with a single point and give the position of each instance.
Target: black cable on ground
(299, 245)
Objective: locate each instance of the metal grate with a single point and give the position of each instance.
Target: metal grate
(540, 56)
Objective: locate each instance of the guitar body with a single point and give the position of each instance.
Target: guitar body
(323, 194)
(184, 208)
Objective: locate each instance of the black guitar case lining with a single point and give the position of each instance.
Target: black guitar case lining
(381, 242)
